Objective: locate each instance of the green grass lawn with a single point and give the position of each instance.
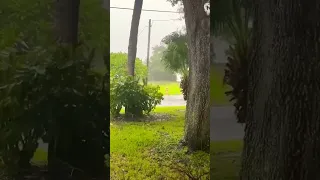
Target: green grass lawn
(217, 89)
(173, 87)
(225, 159)
(149, 149)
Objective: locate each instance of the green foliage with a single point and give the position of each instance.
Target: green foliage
(238, 56)
(175, 57)
(118, 66)
(137, 99)
(29, 20)
(184, 84)
(94, 24)
(157, 70)
(59, 98)
(224, 13)
(32, 21)
(48, 92)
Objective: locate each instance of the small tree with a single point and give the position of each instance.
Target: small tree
(157, 70)
(175, 57)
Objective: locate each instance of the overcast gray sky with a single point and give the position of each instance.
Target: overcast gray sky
(120, 22)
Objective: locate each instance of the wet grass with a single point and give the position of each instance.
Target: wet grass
(168, 87)
(217, 89)
(150, 149)
(225, 159)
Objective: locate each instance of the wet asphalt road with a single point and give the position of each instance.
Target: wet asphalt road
(223, 124)
(173, 100)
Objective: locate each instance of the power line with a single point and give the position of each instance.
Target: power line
(150, 10)
(164, 20)
(156, 20)
(167, 20)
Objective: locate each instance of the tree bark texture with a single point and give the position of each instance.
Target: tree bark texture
(133, 39)
(282, 134)
(67, 18)
(197, 125)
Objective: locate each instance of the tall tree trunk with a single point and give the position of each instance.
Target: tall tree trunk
(133, 39)
(197, 125)
(283, 123)
(67, 18)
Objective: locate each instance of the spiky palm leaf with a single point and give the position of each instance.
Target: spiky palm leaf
(223, 13)
(238, 55)
(236, 77)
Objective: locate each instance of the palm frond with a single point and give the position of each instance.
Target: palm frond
(226, 14)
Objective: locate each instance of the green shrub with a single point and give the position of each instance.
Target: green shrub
(138, 99)
(60, 98)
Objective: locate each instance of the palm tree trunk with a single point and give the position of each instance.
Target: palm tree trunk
(133, 39)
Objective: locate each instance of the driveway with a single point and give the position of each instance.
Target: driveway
(173, 100)
(223, 124)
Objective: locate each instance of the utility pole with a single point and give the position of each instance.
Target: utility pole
(148, 50)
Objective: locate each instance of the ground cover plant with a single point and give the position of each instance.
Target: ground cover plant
(148, 148)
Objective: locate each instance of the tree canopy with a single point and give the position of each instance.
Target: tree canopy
(175, 57)
(157, 70)
(118, 66)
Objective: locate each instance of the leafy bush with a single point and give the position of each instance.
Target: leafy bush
(138, 99)
(63, 101)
